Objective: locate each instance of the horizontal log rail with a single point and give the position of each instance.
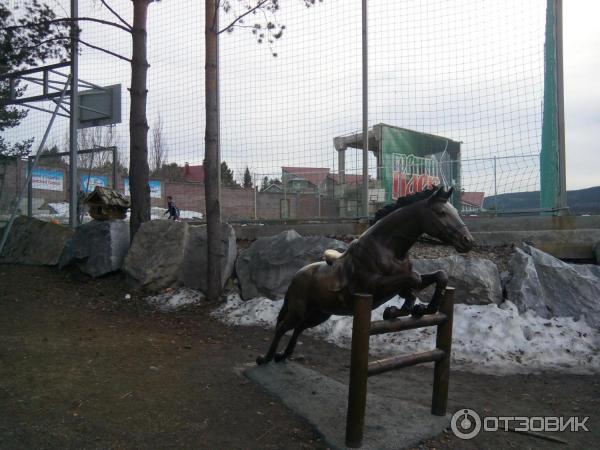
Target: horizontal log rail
(407, 323)
(399, 362)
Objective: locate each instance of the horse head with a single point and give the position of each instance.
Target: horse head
(441, 220)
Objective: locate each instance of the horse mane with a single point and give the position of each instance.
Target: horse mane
(401, 202)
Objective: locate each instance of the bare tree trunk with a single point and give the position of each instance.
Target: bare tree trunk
(211, 154)
(138, 125)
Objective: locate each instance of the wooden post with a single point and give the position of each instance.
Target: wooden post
(357, 391)
(441, 373)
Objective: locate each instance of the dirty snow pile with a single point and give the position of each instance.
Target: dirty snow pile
(59, 209)
(55, 211)
(174, 299)
(159, 213)
(486, 338)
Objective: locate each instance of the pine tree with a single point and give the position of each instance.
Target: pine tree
(27, 37)
(247, 179)
(227, 176)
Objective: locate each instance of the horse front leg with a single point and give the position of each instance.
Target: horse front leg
(391, 312)
(404, 285)
(440, 278)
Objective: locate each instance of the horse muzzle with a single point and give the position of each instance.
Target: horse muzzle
(464, 243)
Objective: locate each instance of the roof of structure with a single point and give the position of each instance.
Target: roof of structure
(473, 198)
(350, 178)
(107, 196)
(314, 175)
(427, 142)
(193, 174)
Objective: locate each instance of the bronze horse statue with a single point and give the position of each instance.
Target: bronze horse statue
(376, 263)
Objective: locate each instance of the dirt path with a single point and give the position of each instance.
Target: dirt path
(81, 367)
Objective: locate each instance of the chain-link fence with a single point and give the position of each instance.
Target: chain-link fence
(469, 71)
(45, 194)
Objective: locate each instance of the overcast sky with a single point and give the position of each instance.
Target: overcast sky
(470, 70)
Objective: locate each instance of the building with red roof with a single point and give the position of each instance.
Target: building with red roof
(193, 174)
(307, 180)
(304, 179)
(471, 201)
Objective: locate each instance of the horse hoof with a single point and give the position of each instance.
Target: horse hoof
(279, 357)
(418, 311)
(429, 310)
(261, 360)
(390, 312)
(403, 312)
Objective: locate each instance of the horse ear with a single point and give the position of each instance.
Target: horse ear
(449, 192)
(437, 193)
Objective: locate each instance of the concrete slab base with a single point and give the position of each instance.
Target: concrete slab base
(389, 423)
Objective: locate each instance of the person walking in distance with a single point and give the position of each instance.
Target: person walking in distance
(172, 209)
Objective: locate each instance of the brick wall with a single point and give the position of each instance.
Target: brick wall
(239, 204)
(14, 176)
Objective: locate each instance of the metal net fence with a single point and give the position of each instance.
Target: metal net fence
(467, 71)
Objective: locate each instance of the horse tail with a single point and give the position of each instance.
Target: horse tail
(284, 309)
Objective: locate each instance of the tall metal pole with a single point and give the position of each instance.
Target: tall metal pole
(318, 202)
(495, 188)
(29, 187)
(560, 113)
(73, 118)
(115, 167)
(365, 111)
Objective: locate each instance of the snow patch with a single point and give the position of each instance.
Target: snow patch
(186, 214)
(159, 213)
(172, 300)
(486, 338)
(59, 209)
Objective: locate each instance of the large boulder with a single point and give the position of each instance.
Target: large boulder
(165, 253)
(35, 242)
(156, 254)
(476, 280)
(193, 272)
(268, 265)
(99, 247)
(552, 288)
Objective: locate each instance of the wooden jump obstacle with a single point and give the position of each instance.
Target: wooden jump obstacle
(361, 368)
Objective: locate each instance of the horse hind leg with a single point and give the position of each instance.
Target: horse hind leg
(282, 327)
(313, 320)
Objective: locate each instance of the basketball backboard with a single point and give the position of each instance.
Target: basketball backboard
(100, 106)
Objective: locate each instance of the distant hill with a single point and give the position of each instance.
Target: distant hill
(581, 201)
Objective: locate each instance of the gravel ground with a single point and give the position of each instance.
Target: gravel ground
(84, 366)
